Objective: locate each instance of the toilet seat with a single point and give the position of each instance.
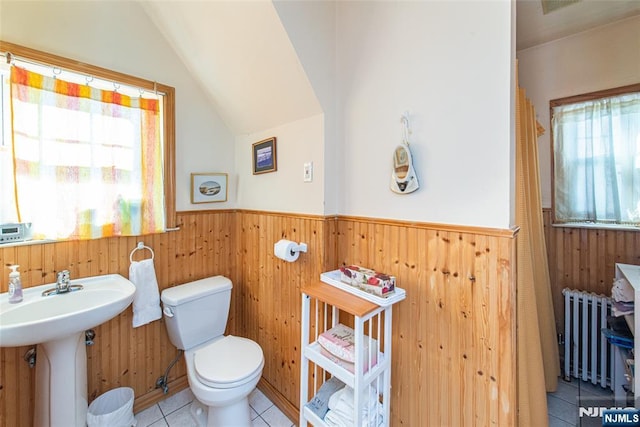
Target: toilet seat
(228, 362)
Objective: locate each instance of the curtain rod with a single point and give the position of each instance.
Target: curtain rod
(10, 57)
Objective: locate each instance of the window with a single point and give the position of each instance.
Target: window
(86, 152)
(596, 158)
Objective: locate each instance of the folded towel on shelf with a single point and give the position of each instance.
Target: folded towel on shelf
(336, 419)
(146, 300)
(320, 402)
(620, 308)
(337, 399)
(333, 419)
(341, 340)
(349, 366)
(622, 290)
(344, 400)
(342, 410)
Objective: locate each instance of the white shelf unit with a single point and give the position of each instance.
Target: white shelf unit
(331, 305)
(622, 374)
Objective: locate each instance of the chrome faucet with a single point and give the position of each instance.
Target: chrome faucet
(62, 282)
(62, 285)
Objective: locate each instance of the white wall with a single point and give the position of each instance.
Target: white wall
(120, 36)
(449, 64)
(284, 190)
(311, 27)
(603, 58)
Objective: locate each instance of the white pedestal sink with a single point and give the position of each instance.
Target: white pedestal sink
(57, 323)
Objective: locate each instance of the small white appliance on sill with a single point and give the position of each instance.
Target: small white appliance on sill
(15, 232)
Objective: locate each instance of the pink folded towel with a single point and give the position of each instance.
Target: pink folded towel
(340, 342)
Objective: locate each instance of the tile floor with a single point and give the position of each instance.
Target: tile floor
(563, 404)
(174, 412)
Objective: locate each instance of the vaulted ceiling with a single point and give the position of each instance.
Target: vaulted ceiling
(241, 54)
(244, 60)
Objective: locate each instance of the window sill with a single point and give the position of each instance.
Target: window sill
(44, 241)
(26, 243)
(613, 227)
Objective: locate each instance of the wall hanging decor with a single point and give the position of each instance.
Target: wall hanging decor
(403, 176)
(264, 156)
(208, 187)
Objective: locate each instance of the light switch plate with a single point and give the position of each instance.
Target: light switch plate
(308, 172)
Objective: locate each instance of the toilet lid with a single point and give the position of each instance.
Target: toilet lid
(228, 362)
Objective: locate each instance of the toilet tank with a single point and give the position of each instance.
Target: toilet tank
(196, 312)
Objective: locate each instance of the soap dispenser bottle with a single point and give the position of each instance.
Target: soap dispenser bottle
(15, 285)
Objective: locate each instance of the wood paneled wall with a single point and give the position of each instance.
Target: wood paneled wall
(271, 290)
(585, 258)
(454, 335)
(121, 355)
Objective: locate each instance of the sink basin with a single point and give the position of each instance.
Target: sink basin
(38, 319)
(56, 323)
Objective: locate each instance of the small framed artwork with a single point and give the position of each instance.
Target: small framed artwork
(264, 156)
(208, 187)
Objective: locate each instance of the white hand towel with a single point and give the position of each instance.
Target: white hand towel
(146, 300)
(341, 409)
(337, 396)
(333, 419)
(338, 419)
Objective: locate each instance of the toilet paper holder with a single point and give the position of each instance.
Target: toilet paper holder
(288, 250)
(302, 247)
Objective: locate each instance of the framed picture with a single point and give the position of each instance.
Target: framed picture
(264, 156)
(208, 187)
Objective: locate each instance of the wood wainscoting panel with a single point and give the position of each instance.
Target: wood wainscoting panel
(271, 288)
(121, 355)
(454, 335)
(585, 258)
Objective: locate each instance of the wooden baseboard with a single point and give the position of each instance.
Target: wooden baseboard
(146, 400)
(280, 401)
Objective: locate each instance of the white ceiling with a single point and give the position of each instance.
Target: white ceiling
(241, 54)
(243, 58)
(534, 28)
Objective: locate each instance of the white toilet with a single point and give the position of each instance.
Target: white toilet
(222, 370)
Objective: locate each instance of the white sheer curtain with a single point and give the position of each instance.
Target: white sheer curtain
(87, 162)
(597, 160)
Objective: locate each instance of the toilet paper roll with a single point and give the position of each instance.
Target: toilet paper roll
(286, 250)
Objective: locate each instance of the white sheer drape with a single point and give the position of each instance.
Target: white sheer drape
(597, 161)
(87, 162)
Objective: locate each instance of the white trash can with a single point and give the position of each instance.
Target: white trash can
(112, 409)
